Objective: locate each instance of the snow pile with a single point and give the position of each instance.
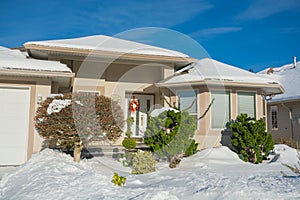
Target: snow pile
(53, 175)
(14, 59)
(57, 105)
(285, 154)
(288, 76)
(214, 173)
(218, 155)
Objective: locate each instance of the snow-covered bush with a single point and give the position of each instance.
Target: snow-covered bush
(78, 118)
(170, 134)
(250, 140)
(143, 162)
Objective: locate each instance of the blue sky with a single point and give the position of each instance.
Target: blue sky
(249, 34)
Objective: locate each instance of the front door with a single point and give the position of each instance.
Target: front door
(139, 114)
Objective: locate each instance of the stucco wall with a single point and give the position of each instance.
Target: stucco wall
(285, 124)
(38, 87)
(207, 136)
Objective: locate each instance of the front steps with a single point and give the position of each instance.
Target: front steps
(112, 151)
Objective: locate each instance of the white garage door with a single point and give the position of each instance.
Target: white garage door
(14, 123)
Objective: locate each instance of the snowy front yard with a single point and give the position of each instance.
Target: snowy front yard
(215, 173)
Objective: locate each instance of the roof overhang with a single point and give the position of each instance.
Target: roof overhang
(42, 51)
(284, 100)
(60, 77)
(266, 88)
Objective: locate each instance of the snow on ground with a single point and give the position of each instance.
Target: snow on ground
(214, 173)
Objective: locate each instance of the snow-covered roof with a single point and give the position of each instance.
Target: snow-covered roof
(107, 43)
(289, 77)
(15, 59)
(209, 70)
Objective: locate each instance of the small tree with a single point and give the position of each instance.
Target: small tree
(170, 135)
(70, 120)
(250, 139)
(129, 143)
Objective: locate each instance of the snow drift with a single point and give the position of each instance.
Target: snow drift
(214, 173)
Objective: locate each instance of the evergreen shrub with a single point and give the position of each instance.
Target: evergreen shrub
(170, 134)
(250, 140)
(129, 143)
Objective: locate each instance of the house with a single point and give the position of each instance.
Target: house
(284, 109)
(218, 92)
(23, 82)
(116, 68)
(126, 70)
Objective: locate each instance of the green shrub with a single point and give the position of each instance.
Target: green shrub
(129, 143)
(170, 134)
(118, 180)
(143, 162)
(250, 139)
(192, 149)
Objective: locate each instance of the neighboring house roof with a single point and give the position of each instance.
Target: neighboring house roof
(211, 72)
(16, 63)
(16, 60)
(289, 77)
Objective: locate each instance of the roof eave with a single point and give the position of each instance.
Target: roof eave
(263, 86)
(111, 54)
(31, 73)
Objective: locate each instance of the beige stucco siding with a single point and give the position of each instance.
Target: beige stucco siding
(31, 86)
(43, 89)
(287, 128)
(40, 89)
(207, 136)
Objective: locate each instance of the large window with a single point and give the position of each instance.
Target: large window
(188, 101)
(220, 109)
(246, 103)
(274, 117)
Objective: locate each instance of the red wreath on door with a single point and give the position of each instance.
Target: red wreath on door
(133, 105)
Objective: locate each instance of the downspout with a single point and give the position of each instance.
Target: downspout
(291, 119)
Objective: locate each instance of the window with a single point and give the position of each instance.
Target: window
(220, 109)
(188, 101)
(246, 103)
(274, 117)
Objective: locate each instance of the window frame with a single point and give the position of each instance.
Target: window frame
(196, 91)
(230, 108)
(274, 108)
(255, 101)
